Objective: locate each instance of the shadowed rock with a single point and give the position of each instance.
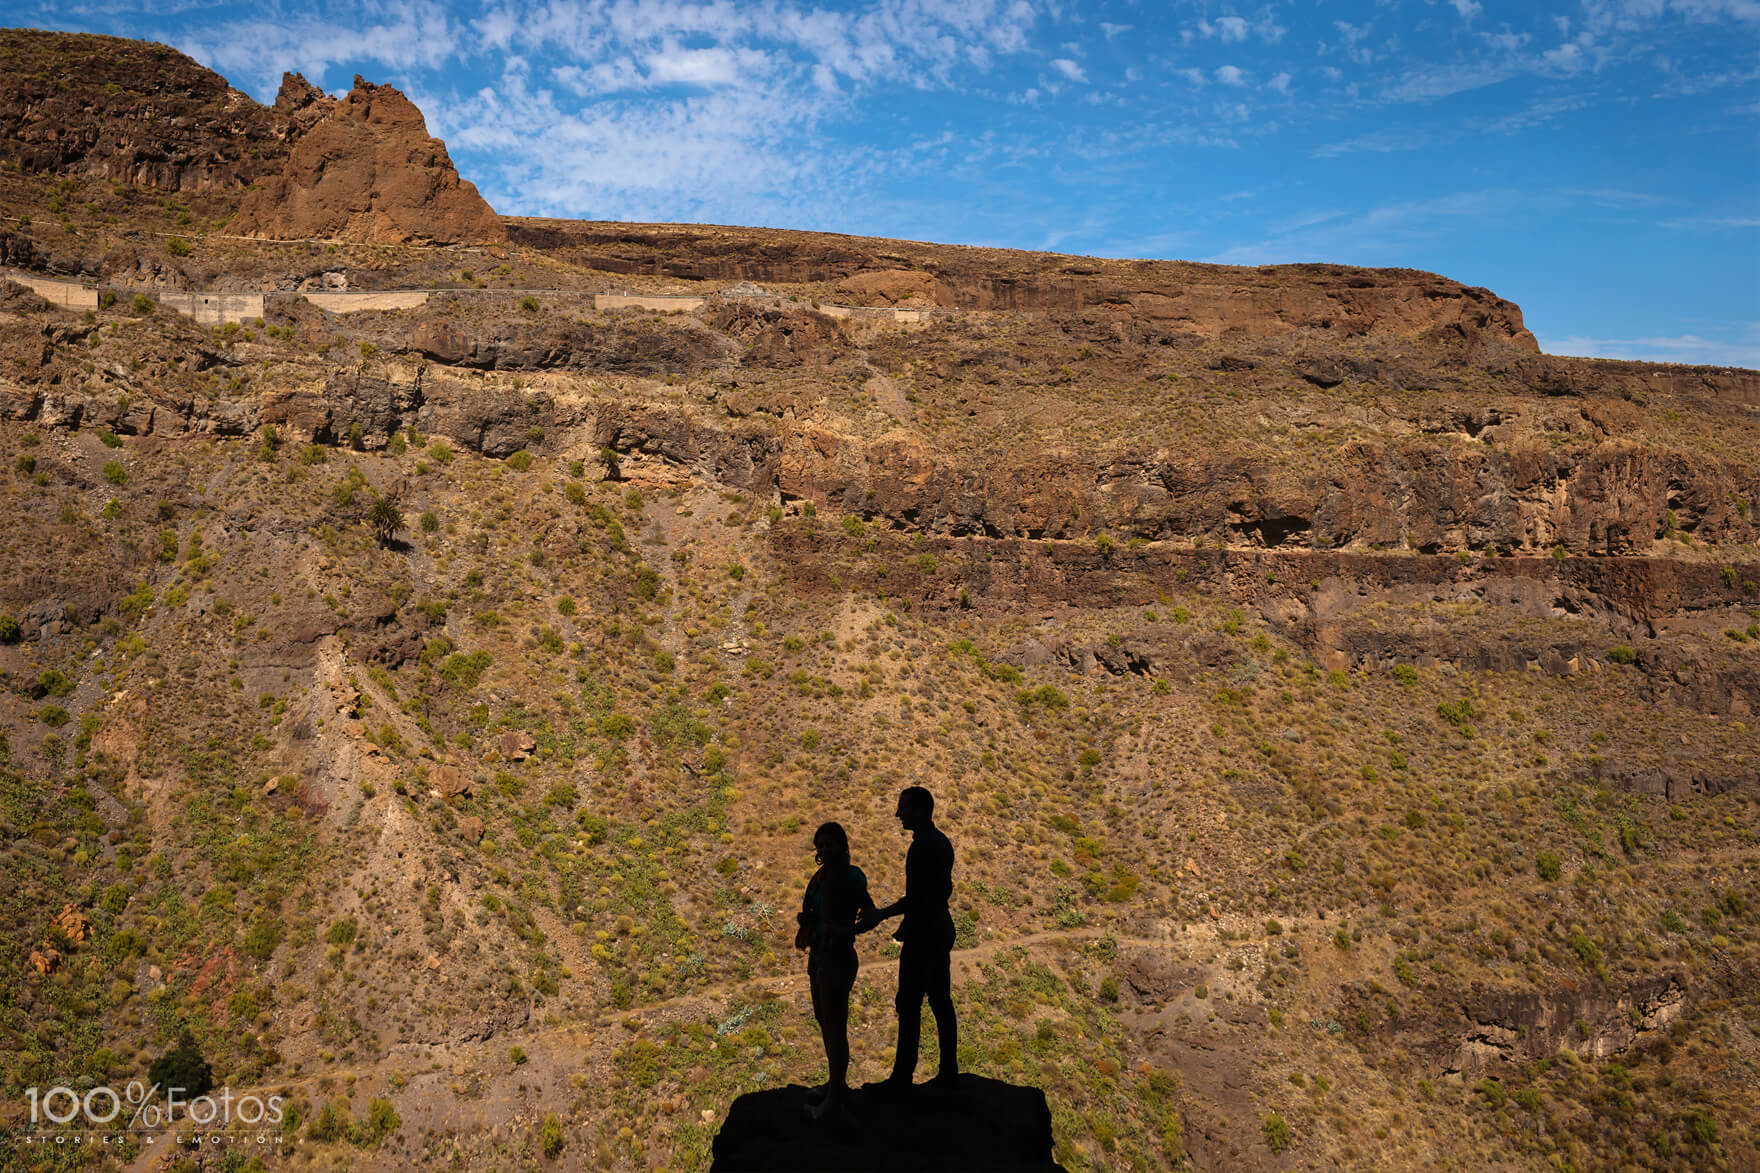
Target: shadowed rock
(983, 1125)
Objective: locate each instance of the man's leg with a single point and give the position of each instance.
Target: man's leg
(938, 984)
(909, 1004)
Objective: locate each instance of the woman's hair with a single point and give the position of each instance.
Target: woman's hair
(833, 846)
(832, 843)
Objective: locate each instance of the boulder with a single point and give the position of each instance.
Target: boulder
(451, 782)
(984, 1124)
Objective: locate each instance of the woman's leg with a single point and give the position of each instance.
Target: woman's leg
(831, 1004)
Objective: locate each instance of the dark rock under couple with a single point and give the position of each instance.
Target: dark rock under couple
(837, 908)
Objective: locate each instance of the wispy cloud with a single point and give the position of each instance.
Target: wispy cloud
(1682, 348)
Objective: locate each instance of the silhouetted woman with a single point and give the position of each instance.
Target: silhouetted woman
(837, 896)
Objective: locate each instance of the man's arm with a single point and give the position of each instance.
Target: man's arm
(872, 916)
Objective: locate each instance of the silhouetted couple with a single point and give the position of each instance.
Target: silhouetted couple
(837, 908)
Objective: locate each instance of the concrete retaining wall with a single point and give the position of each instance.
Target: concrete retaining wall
(213, 309)
(69, 295)
(348, 303)
(636, 301)
(210, 309)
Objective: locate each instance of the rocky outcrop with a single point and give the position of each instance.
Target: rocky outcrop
(1207, 301)
(364, 168)
(984, 1124)
(131, 112)
(1427, 495)
(1512, 1027)
(889, 287)
(627, 345)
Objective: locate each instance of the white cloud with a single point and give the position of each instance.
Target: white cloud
(1468, 9)
(1717, 222)
(1279, 83)
(703, 67)
(1069, 69)
(1681, 348)
(1229, 28)
(1231, 75)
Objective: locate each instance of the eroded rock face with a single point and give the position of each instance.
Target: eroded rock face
(1509, 1027)
(129, 111)
(364, 168)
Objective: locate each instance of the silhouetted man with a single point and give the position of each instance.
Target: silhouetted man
(926, 934)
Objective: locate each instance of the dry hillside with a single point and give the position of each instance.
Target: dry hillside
(1343, 712)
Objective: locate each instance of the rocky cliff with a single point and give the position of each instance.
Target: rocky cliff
(363, 167)
(360, 168)
(129, 112)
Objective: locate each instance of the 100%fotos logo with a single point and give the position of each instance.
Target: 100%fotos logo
(102, 1105)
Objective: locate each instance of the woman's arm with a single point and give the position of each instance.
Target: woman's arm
(866, 915)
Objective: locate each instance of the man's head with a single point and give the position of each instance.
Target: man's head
(916, 808)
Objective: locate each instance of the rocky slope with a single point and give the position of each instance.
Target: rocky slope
(1342, 711)
(83, 105)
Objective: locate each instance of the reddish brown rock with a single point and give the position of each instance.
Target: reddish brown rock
(128, 111)
(889, 287)
(451, 782)
(365, 169)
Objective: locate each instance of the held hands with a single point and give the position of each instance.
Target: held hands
(872, 918)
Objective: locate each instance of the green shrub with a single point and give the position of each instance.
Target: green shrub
(384, 519)
(184, 1068)
(261, 938)
(462, 671)
(177, 246)
(1622, 654)
(114, 473)
(1405, 674)
(1046, 694)
(550, 1138)
(1548, 865)
(520, 461)
(331, 1123)
(1277, 1133)
(142, 304)
(1458, 713)
(529, 304)
(9, 630)
(54, 682)
(382, 1120)
(430, 523)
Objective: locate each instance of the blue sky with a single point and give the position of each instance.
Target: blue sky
(1597, 161)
